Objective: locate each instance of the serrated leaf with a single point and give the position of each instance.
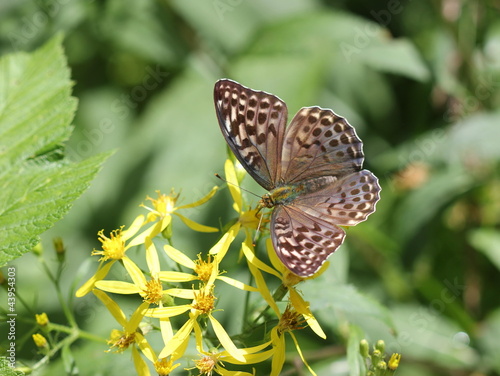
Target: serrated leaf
(6, 370)
(37, 186)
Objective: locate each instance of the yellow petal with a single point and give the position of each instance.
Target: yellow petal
(301, 355)
(201, 201)
(134, 228)
(141, 368)
(101, 273)
(176, 277)
(196, 226)
(112, 307)
(118, 287)
(178, 339)
(199, 338)
(151, 231)
(224, 372)
(249, 358)
(181, 293)
(254, 349)
(179, 257)
(145, 347)
(225, 340)
(232, 184)
(273, 257)
(213, 276)
(166, 329)
(263, 289)
(237, 284)
(252, 259)
(152, 258)
(279, 352)
(167, 311)
(134, 272)
(251, 354)
(221, 247)
(136, 318)
(303, 308)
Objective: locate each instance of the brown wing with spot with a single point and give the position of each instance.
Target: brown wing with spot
(346, 202)
(303, 243)
(253, 123)
(318, 142)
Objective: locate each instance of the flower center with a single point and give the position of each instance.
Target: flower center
(153, 293)
(113, 247)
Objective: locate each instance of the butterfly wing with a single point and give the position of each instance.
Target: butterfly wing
(253, 123)
(346, 202)
(303, 243)
(318, 142)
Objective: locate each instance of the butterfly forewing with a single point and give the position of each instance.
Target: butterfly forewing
(303, 242)
(253, 123)
(346, 202)
(318, 142)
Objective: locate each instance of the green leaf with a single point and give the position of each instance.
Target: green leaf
(489, 332)
(398, 57)
(487, 241)
(6, 370)
(345, 303)
(424, 333)
(438, 191)
(37, 186)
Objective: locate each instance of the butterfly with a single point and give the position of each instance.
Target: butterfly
(312, 170)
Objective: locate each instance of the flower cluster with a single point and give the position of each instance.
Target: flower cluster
(375, 363)
(188, 296)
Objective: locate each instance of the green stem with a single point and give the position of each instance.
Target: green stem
(67, 312)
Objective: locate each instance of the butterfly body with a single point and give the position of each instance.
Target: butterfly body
(286, 194)
(312, 170)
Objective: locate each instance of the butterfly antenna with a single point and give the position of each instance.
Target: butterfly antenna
(236, 185)
(258, 229)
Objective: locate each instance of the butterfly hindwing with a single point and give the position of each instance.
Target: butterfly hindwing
(318, 142)
(253, 123)
(303, 243)
(346, 202)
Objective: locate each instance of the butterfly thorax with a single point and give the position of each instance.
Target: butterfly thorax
(285, 194)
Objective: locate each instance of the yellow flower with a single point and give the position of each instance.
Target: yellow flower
(202, 269)
(213, 361)
(114, 248)
(165, 366)
(394, 361)
(130, 336)
(289, 280)
(249, 219)
(40, 341)
(164, 207)
(42, 319)
(202, 305)
(290, 320)
(150, 290)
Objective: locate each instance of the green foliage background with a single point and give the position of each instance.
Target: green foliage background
(420, 81)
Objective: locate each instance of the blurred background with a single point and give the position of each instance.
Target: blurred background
(420, 82)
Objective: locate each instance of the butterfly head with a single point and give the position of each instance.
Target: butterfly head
(266, 201)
